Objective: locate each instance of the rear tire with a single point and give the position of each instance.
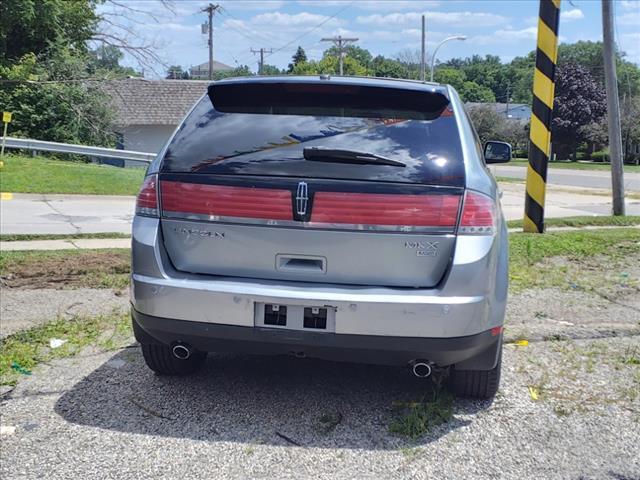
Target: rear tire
(160, 359)
(481, 384)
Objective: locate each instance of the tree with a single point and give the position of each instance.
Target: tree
(271, 70)
(579, 101)
(240, 71)
(386, 67)
(487, 121)
(451, 76)
(410, 60)
(330, 65)
(472, 92)
(34, 26)
(299, 57)
(73, 111)
(360, 55)
(631, 128)
(175, 72)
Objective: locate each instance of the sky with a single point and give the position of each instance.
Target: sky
(506, 28)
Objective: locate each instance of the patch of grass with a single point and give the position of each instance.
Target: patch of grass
(509, 180)
(567, 165)
(108, 268)
(415, 419)
(561, 259)
(631, 356)
(329, 421)
(15, 237)
(585, 221)
(411, 452)
(42, 175)
(23, 351)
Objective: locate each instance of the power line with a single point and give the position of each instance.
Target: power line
(313, 29)
(258, 38)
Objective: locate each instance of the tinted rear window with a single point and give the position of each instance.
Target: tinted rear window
(265, 135)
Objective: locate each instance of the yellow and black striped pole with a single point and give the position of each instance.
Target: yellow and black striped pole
(542, 110)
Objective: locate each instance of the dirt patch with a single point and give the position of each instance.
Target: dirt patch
(74, 269)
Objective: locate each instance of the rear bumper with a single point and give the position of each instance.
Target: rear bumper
(359, 310)
(473, 352)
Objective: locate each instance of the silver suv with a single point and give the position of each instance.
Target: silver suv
(349, 219)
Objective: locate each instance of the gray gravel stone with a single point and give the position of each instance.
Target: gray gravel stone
(83, 418)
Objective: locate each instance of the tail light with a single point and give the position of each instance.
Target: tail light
(384, 211)
(147, 201)
(479, 215)
(205, 201)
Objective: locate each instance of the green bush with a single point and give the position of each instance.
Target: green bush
(519, 153)
(600, 156)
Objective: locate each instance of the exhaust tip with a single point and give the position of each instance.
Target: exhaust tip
(421, 369)
(181, 351)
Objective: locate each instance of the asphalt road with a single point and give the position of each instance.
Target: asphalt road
(573, 178)
(69, 214)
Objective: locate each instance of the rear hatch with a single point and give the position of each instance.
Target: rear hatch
(321, 181)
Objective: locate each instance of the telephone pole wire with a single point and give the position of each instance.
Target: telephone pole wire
(341, 44)
(261, 51)
(613, 108)
(210, 9)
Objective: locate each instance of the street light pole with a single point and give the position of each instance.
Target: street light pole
(433, 58)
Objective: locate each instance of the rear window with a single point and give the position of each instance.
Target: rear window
(262, 130)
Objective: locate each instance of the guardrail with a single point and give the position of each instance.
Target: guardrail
(42, 146)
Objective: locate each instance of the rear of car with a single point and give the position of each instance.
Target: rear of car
(339, 218)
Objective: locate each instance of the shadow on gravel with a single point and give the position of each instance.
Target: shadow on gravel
(255, 400)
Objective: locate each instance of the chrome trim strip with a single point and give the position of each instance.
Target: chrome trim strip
(294, 224)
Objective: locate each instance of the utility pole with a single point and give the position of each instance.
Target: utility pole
(423, 57)
(613, 108)
(261, 51)
(210, 9)
(341, 44)
(506, 112)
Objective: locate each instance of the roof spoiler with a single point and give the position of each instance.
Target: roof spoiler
(327, 99)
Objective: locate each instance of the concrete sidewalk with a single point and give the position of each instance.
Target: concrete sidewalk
(67, 244)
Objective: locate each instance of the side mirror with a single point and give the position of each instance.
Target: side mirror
(497, 152)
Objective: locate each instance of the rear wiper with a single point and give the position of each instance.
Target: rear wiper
(337, 155)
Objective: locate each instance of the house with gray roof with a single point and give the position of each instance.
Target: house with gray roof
(513, 111)
(201, 72)
(148, 111)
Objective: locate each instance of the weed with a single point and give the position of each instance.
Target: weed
(18, 237)
(414, 419)
(571, 259)
(410, 452)
(562, 411)
(329, 421)
(26, 349)
(585, 221)
(555, 337)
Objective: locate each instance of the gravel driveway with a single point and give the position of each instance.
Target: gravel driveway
(105, 415)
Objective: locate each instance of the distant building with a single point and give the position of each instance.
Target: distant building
(201, 72)
(517, 111)
(148, 111)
